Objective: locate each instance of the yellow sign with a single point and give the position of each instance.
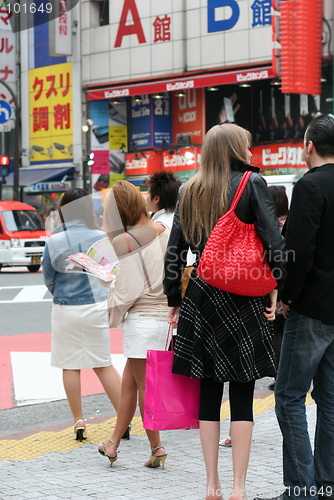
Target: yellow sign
(117, 137)
(50, 113)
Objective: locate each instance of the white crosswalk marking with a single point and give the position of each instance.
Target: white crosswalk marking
(29, 293)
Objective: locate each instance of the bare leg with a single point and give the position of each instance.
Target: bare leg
(138, 368)
(111, 383)
(72, 386)
(241, 434)
(126, 410)
(209, 433)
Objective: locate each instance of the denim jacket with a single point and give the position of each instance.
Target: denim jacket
(71, 288)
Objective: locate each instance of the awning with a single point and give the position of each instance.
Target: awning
(195, 81)
(29, 176)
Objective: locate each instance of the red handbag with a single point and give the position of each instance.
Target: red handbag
(233, 259)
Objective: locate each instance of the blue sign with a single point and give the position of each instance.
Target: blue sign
(224, 24)
(141, 123)
(99, 113)
(162, 120)
(5, 111)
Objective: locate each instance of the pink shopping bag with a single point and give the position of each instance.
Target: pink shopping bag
(171, 401)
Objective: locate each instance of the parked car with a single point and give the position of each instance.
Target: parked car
(22, 235)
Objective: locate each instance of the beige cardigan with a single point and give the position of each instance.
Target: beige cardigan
(131, 290)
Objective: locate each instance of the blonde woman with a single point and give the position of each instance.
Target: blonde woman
(137, 300)
(221, 336)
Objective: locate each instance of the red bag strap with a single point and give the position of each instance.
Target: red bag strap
(240, 189)
(170, 330)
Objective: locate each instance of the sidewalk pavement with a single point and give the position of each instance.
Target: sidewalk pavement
(51, 465)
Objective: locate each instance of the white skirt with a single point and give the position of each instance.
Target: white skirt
(144, 331)
(80, 336)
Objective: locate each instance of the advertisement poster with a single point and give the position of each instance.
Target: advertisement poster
(188, 116)
(108, 135)
(162, 120)
(141, 122)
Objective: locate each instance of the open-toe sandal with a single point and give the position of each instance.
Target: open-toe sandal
(155, 460)
(227, 442)
(103, 452)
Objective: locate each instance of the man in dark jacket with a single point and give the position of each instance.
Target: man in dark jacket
(308, 341)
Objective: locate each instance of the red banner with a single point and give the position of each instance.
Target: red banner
(197, 81)
(145, 163)
(272, 156)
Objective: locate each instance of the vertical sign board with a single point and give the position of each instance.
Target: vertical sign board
(51, 113)
(60, 29)
(188, 115)
(141, 122)
(100, 136)
(162, 120)
(7, 67)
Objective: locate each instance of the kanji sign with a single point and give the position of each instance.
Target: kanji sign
(50, 109)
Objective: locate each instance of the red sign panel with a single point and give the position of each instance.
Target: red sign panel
(278, 156)
(145, 164)
(188, 116)
(183, 159)
(196, 82)
(101, 163)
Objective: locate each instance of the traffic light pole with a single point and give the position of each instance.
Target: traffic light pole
(17, 143)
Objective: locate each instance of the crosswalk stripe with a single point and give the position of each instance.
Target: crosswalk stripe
(29, 293)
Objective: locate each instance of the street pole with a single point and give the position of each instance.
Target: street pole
(17, 143)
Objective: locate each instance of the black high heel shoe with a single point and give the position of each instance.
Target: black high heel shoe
(126, 434)
(80, 433)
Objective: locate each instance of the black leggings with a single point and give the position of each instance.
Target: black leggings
(241, 400)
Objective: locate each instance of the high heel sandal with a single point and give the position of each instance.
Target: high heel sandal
(80, 433)
(155, 460)
(105, 454)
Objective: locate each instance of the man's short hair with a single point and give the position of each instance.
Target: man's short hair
(321, 133)
(165, 185)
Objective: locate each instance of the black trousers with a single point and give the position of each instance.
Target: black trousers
(241, 400)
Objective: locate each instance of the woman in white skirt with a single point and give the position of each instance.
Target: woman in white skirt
(79, 322)
(137, 300)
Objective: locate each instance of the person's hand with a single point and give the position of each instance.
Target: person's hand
(173, 315)
(286, 310)
(270, 311)
(106, 284)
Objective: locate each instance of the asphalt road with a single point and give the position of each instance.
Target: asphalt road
(22, 317)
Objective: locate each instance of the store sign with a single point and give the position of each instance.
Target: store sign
(182, 159)
(141, 122)
(207, 80)
(278, 155)
(60, 29)
(146, 164)
(51, 115)
(242, 31)
(43, 187)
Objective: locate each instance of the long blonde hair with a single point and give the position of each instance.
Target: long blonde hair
(205, 196)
